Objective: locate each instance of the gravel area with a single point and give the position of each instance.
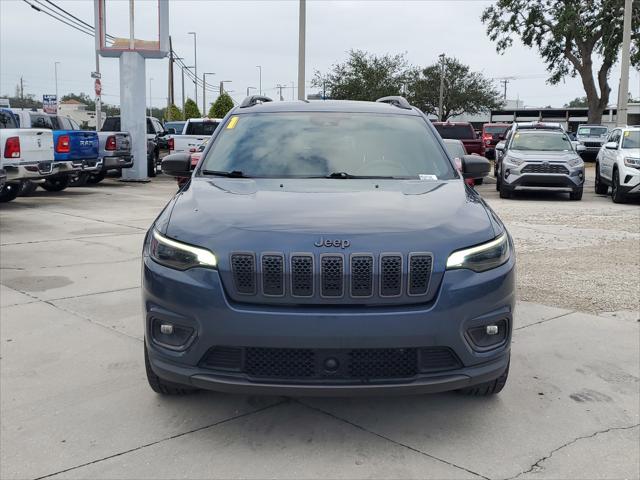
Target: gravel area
(581, 255)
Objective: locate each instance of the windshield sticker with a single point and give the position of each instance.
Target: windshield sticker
(427, 177)
(627, 133)
(232, 123)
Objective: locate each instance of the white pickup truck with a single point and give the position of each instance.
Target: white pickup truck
(25, 154)
(195, 131)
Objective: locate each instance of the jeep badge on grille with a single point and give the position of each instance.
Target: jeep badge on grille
(332, 243)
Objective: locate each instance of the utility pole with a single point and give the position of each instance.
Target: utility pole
(222, 82)
(250, 88)
(98, 96)
(259, 67)
(55, 67)
(204, 94)
(280, 87)
(301, 48)
(623, 90)
(441, 102)
(183, 100)
(195, 66)
(505, 82)
(170, 98)
(22, 91)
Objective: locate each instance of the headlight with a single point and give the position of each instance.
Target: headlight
(575, 161)
(514, 160)
(632, 162)
(179, 255)
(481, 257)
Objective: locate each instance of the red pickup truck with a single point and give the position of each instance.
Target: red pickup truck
(461, 131)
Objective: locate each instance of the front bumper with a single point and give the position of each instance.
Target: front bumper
(516, 179)
(196, 299)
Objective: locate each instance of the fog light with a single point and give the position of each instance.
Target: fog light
(487, 336)
(168, 329)
(171, 335)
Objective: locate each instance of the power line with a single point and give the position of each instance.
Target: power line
(75, 26)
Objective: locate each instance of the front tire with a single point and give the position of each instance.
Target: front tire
(601, 188)
(9, 192)
(616, 193)
(161, 386)
(56, 184)
(505, 192)
(576, 194)
(486, 389)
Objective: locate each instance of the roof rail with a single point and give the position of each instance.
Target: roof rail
(396, 101)
(254, 100)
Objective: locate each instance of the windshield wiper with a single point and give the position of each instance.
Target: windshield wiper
(345, 175)
(231, 174)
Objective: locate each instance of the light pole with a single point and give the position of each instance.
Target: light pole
(259, 67)
(302, 20)
(440, 103)
(55, 68)
(150, 98)
(204, 94)
(250, 88)
(195, 65)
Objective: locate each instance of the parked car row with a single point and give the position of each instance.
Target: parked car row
(53, 152)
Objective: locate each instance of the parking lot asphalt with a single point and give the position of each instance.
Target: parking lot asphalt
(74, 402)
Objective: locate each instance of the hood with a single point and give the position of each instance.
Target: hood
(542, 155)
(291, 215)
(322, 218)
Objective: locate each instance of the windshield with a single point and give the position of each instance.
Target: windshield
(592, 131)
(541, 141)
(313, 144)
(201, 128)
(455, 148)
(631, 139)
(500, 130)
(458, 132)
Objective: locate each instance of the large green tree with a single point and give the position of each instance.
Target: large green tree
(221, 106)
(574, 37)
(464, 91)
(364, 76)
(577, 103)
(191, 110)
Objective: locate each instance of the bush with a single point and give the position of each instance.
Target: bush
(191, 110)
(221, 106)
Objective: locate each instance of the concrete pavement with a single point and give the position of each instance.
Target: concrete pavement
(75, 404)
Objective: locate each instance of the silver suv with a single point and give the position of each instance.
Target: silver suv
(540, 159)
(592, 137)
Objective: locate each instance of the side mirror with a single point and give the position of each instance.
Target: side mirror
(500, 146)
(611, 145)
(580, 148)
(177, 165)
(475, 166)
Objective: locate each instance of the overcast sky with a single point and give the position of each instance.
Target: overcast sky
(234, 37)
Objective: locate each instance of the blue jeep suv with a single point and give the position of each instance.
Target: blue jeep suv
(327, 248)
